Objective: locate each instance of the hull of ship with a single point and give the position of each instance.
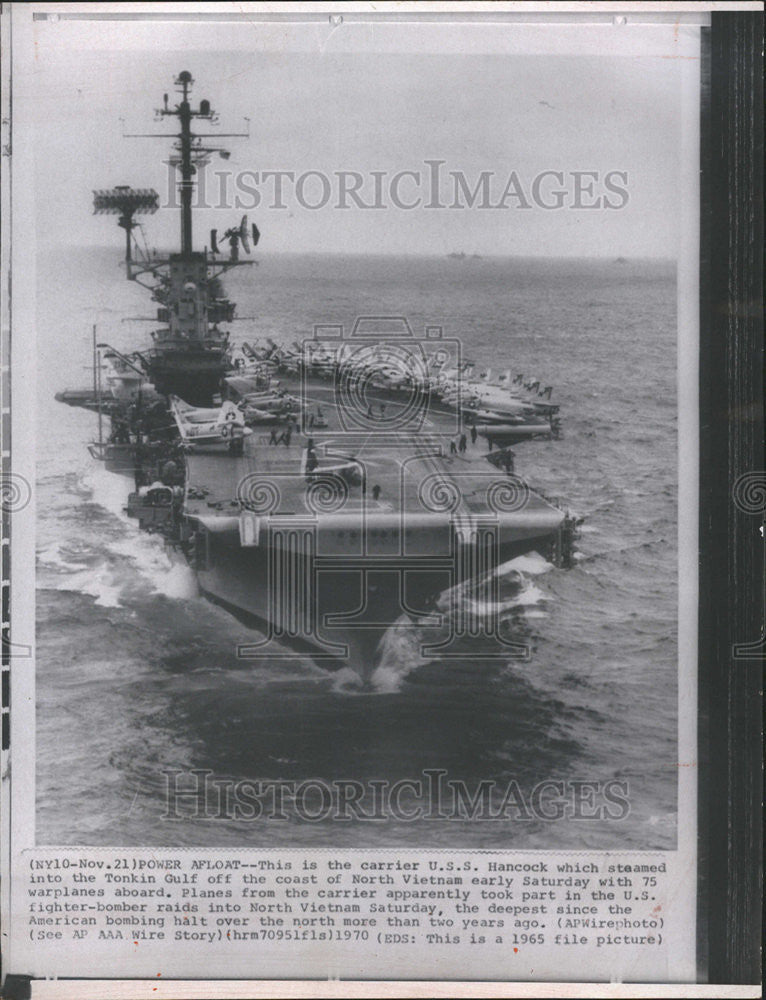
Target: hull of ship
(340, 615)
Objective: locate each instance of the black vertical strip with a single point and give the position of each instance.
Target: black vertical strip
(731, 553)
(6, 737)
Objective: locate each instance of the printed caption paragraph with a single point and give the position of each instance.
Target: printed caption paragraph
(512, 912)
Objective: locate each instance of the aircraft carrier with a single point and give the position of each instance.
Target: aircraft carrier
(326, 490)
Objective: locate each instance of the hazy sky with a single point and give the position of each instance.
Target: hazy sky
(517, 101)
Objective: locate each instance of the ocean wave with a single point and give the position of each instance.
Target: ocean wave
(168, 574)
(528, 597)
(531, 564)
(55, 556)
(147, 555)
(397, 655)
(347, 681)
(97, 583)
(399, 652)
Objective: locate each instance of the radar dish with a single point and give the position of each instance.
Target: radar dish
(243, 234)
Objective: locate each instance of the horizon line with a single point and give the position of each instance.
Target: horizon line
(441, 255)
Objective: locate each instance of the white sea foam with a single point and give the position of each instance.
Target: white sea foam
(388, 678)
(528, 597)
(108, 489)
(148, 554)
(398, 654)
(166, 572)
(531, 564)
(346, 681)
(98, 583)
(53, 557)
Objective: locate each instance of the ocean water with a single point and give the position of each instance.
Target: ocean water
(137, 675)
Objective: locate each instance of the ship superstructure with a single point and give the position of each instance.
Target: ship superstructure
(190, 351)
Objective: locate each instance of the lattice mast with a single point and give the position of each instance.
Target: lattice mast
(185, 113)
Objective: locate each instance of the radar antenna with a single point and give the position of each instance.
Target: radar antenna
(126, 202)
(236, 235)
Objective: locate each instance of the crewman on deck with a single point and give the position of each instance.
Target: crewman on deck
(474, 433)
(311, 456)
(120, 431)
